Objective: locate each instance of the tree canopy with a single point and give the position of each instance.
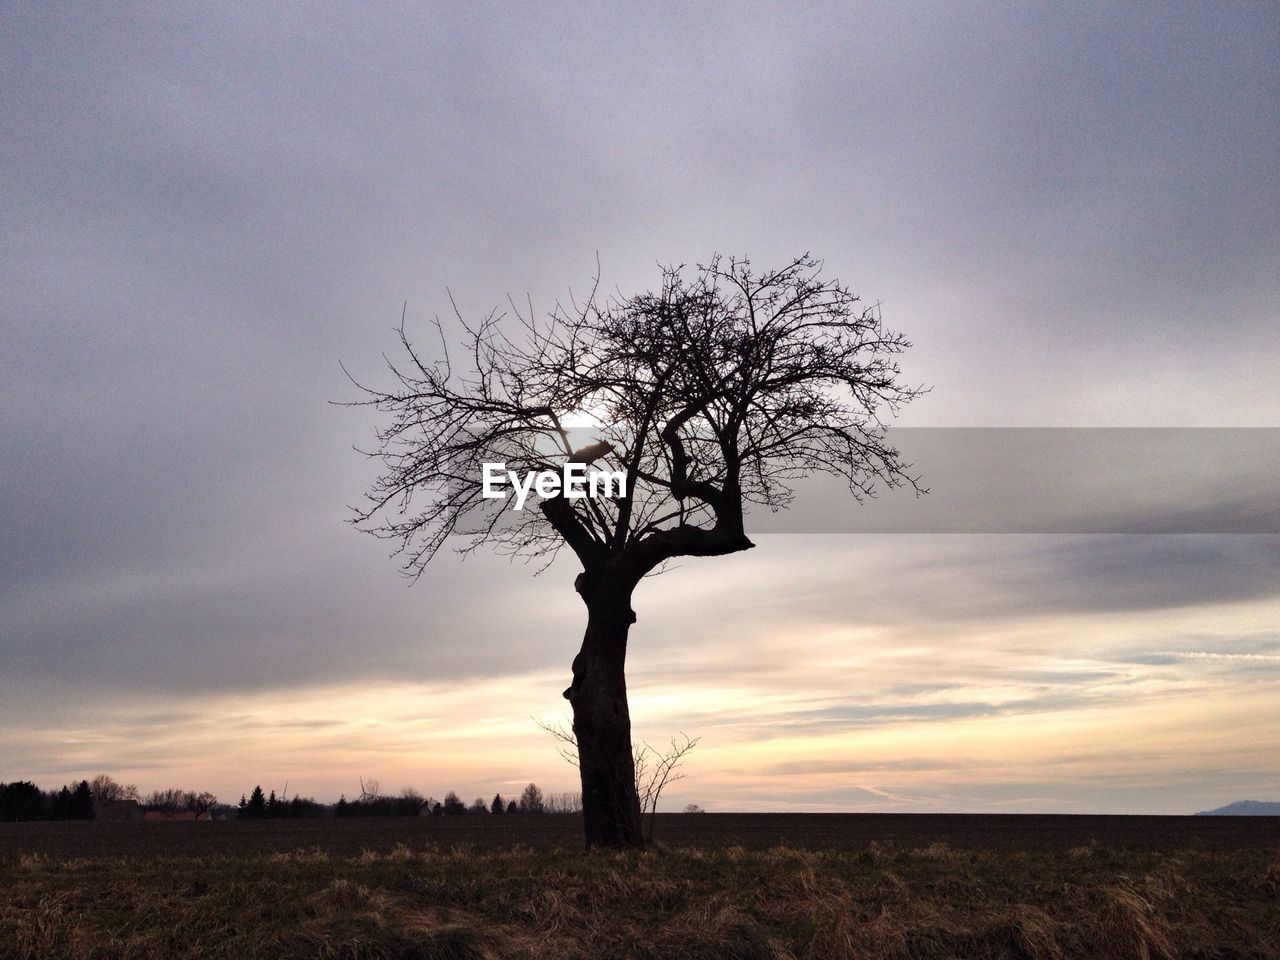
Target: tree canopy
(713, 393)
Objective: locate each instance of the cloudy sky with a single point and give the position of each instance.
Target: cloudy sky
(1074, 212)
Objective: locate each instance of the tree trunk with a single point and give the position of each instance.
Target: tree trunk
(602, 720)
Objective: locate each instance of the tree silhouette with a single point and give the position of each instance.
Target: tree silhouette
(106, 790)
(21, 800)
(497, 805)
(256, 808)
(531, 800)
(80, 806)
(712, 394)
(655, 768)
(60, 805)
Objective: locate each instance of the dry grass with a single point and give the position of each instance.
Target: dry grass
(877, 902)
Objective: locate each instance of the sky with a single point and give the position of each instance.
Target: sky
(1073, 211)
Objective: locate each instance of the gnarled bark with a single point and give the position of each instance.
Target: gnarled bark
(602, 720)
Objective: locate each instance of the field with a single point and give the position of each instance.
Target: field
(714, 886)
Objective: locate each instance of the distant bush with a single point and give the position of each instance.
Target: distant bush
(308, 807)
(370, 803)
(174, 799)
(378, 807)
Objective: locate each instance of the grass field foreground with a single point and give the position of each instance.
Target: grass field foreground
(458, 902)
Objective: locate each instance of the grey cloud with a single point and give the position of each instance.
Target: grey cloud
(1153, 659)
(293, 620)
(820, 766)
(877, 713)
(1024, 480)
(905, 581)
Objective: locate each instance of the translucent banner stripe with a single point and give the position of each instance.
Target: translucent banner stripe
(1058, 480)
(1131, 480)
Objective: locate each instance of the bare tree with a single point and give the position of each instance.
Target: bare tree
(711, 393)
(105, 789)
(566, 742)
(412, 798)
(566, 802)
(654, 768)
(174, 798)
(657, 768)
(531, 800)
(370, 790)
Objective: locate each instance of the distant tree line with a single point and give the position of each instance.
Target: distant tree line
(172, 800)
(373, 802)
(23, 800)
(410, 803)
(270, 807)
